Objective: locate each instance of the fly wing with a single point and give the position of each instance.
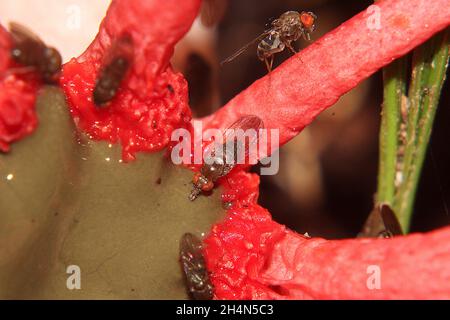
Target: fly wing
(240, 139)
(383, 222)
(241, 50)
(247, 122)
(22, 34)
(390, 221)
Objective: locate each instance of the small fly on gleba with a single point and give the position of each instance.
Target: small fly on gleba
(219, 164)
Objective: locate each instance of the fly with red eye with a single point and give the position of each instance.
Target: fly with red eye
(238, 140)
(283, 32)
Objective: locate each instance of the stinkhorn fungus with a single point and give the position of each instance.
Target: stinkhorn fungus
(252, 257)
(248, 255)
(152, 99)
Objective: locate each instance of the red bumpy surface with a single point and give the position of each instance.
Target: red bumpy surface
(17, 98)
(152, 100)
(250, 256)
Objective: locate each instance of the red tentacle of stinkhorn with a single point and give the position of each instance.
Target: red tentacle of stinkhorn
(5, 46)
(152, 100)
(291, 96)
(252, 257)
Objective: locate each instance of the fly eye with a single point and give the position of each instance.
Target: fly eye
(196, 178)
(308, 19)
(208, 186)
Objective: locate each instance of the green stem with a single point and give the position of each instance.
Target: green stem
(394, 77)
(429, 68)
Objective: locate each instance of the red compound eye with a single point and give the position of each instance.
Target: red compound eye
(208, 186)
(307, 19)
(196, 177)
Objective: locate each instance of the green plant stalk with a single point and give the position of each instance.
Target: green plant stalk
(429, 69)
(394, 77)
(410, 138)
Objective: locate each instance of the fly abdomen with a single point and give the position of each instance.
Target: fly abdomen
(270, 45)
(113, 70)
(194, 268)
(109, 80)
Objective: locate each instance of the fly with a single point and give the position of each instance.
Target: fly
(285, 30)
(224, 157)
(113, 70)
(194, 268)
(381, 223)
(31, 52)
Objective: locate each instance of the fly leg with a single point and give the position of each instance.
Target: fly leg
(269, 63)
(306, 36)
(292, 49)
(194, 193)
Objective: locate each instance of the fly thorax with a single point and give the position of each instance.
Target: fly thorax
(214, 170)
(202, 180)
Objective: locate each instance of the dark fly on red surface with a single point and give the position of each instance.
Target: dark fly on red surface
(114, 68)
(219, 164)
(285, 30)
(194, 268)
(29, 51)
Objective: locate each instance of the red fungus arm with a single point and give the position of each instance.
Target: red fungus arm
(410, 267)
(152, 100)
(155, 26)
(291, 96)
(5, 46)
(17, 98)
(252, 257)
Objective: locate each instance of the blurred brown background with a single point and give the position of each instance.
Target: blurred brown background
(327, 176)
